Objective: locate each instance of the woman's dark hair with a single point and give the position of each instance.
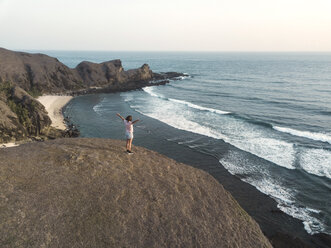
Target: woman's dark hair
(128, 118)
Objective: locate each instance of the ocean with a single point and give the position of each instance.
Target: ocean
(266, 117)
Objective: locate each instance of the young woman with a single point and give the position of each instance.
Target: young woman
(128, 123)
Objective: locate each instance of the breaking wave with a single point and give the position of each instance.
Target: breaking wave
(305, 134)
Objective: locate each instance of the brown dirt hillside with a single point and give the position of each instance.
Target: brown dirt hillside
(40, 74)
(90, 193)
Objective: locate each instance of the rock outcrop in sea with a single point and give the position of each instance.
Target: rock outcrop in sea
(91, 193)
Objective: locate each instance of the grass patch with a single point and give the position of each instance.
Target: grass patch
(6, 88)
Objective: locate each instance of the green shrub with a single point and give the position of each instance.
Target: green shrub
(6, 87)
(21, 111)
(34, 92)
(22, 114)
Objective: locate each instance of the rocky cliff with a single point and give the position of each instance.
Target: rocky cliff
(21, 116)
(91, 193)
(111, 72)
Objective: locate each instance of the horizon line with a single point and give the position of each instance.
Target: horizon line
(173, 51)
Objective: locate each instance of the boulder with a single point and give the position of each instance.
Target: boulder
(91, 193)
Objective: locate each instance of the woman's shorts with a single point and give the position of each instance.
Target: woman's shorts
(128, 135)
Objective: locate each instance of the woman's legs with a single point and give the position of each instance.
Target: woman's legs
(128, 144)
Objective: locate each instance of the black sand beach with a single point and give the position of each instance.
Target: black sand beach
(283, 230)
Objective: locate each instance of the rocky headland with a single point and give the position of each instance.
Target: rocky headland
(24, 76)
(41, 74)
(91, 193)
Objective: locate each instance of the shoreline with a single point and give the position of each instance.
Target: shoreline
(54, 105)
(281, 229)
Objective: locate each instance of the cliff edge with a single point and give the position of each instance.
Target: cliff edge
(91, 193)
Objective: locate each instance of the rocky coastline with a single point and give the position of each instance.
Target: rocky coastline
(25, 76)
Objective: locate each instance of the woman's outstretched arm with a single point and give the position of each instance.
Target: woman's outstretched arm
(135, 121)
(120, 116)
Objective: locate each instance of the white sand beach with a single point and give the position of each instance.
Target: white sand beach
(54, 105)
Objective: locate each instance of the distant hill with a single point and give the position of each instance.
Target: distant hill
(39, 73)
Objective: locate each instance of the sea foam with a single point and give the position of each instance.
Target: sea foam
(316, 161)
(239, 133)
(310, 135)
(262, 179)
(150, 91)
(217, 111)
(98, 107)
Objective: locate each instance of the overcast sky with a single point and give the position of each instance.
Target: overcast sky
(166, 25)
